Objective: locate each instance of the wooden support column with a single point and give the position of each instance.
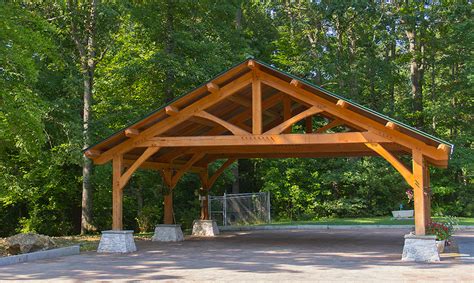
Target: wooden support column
(204, 195)
(117, 193)
(420, 190)
(256, 106)
(168, 217)
(168, 208)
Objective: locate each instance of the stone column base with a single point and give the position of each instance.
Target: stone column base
(117, 241)
(420, 248)
(206, 228)
(168, 233)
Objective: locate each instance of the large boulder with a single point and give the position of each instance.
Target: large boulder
(27, 243)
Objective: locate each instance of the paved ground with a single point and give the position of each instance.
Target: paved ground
(327, 255)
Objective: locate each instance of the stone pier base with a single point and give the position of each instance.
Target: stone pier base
(168, 233)
(420, 248)
(117, 241)
(206, 228)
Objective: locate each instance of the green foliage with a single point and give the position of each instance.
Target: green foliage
(159, 50)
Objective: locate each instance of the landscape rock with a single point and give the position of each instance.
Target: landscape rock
(28, 242)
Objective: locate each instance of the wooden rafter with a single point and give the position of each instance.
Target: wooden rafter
(288, 123)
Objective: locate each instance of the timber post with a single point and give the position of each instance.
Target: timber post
(168, 217)
(421, 193)
(117, 193)
(168, 208)
(204, 195)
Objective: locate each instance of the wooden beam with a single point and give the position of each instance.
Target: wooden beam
(117, 193)
(391, 126)
(292, 139)
(171, 110)
(280, 128)
(184, 114)
(341, 103)
(252, 64)
(212, 87)
(330, 125)
(399, 166)
(185, 168)
(161, 166)
(130, 133)
(444, 148)
(219, 171)
(419, 190)
(128, 174)
(92, 153)
(256, 106)
(353, 117)
(232, 128)
(295, 83)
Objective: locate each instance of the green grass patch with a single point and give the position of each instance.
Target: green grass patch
(366, 221)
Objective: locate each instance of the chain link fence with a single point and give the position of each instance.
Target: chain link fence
(240, 209)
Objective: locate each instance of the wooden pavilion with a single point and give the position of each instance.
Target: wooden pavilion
(248, 112)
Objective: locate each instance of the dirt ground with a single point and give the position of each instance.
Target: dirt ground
(292, 255)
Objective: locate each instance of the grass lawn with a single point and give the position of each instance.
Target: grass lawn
(385, 220)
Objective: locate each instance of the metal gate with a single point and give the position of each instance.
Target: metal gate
(240, 209)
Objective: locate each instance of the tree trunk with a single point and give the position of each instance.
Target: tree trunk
(169, 49)
(86, 48)
(416, 76)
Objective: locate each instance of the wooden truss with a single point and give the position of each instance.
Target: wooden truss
(250, 111)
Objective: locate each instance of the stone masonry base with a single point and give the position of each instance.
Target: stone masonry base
(168, 233)
(117, 241)
(206, 228)
(420, 248)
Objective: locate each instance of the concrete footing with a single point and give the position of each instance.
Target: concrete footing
(420, 248)
(205, 228)
(117, 241)
(168, 233)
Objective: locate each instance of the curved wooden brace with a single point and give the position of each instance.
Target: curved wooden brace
(234, 129)
(219, 171)
(128, 174)
(404, 171)
(185, 168)
(280, 128)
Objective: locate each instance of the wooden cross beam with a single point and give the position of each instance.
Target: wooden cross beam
(291, 139)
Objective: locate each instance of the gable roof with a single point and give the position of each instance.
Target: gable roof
(237, 71)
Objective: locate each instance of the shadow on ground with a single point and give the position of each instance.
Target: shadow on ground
(280, 255)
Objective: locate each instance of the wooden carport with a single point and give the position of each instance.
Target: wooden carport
(248, 112)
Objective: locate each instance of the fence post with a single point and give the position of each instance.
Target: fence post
(225, 210)
(269, 208)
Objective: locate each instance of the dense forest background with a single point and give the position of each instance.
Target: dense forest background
(73, 72)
